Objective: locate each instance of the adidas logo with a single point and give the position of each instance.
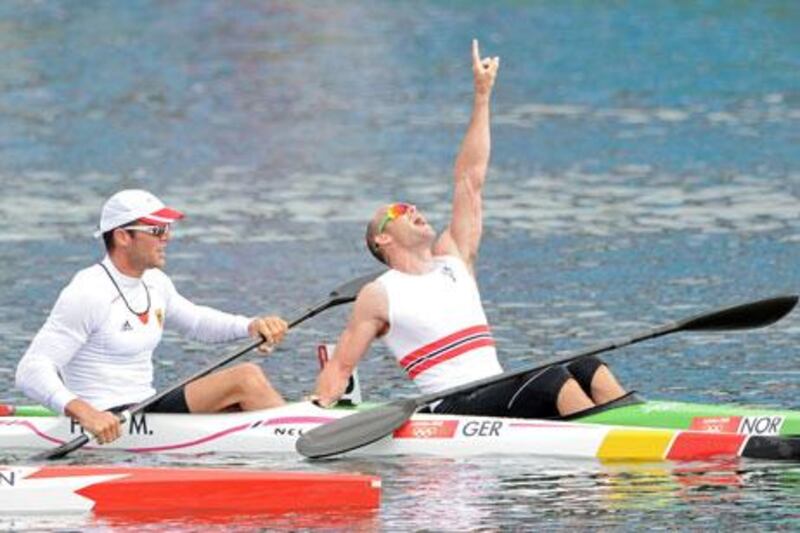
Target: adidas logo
(127, 326)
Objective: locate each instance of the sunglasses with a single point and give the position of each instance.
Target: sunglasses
(155, 231)
(393, 211)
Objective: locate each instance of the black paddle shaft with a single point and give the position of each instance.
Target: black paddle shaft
(746, 316)
(363, 428)
(344, 294)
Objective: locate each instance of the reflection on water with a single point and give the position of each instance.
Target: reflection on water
(476, 494)
(153, 522)
(644, 169)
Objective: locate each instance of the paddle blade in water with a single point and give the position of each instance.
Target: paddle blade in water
(751, 315)
(356, 430)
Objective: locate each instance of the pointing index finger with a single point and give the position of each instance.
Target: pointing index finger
(476, 57)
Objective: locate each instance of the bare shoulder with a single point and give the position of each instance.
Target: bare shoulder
(373, 293)
(372, 302)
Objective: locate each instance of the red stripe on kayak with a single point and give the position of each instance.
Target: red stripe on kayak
(427, 429)
(208, 490)
(717, 424)
(6, 410)
(691, 445)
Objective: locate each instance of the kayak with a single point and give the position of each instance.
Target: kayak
(104, 490)
(631, 430)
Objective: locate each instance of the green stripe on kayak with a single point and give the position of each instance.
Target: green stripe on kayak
(32, 410)
(681, 415)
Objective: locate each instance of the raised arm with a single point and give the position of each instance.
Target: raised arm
(368, 322)
(463, 235)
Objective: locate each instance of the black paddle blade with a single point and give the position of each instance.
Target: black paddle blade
(340, 295)
(61, 451)
(349, 291)
(746, 316)
(355, 431)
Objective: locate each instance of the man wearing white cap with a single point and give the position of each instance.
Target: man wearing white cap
(94, 352)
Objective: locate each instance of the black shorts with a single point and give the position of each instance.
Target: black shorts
(174, 402)
(531, 395)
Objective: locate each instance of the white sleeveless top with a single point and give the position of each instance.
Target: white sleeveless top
(438, 330)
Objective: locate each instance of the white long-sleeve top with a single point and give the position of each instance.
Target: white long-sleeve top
(94, 348)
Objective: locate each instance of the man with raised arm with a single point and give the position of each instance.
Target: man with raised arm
(428, 310)
(93, 356)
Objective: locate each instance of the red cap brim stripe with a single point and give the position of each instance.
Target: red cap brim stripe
(166, 215)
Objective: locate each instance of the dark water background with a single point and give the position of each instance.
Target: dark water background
(645, 168)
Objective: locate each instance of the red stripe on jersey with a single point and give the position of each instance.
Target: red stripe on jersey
(449, 354)
(441, 343)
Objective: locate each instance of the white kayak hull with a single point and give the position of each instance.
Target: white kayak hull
(276, 431)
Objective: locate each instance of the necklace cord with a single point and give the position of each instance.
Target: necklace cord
(121, 295)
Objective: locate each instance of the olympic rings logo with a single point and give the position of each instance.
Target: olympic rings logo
(425, 432)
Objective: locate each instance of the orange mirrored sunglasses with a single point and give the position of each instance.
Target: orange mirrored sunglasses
(393, 211)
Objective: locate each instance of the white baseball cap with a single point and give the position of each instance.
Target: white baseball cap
(135, 204)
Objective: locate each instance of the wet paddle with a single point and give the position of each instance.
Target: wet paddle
(363, 428)
(341, 295)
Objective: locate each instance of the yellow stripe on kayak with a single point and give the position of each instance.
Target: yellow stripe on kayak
(635, 444)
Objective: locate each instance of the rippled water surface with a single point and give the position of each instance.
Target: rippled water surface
(645, 168)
